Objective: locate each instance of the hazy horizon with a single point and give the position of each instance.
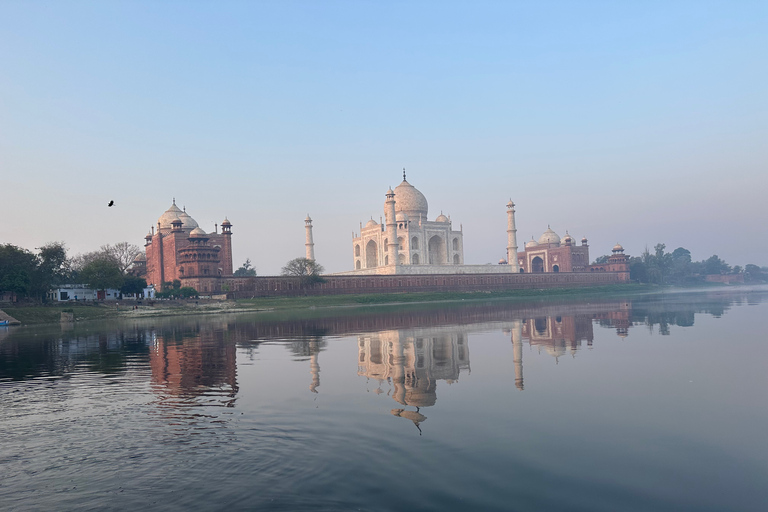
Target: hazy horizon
(630, 123)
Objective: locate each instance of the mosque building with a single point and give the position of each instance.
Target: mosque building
(180, 249)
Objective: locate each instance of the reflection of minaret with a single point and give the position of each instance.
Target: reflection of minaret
(517, 352)
(309, 244)
(314, 366)
(398, 374)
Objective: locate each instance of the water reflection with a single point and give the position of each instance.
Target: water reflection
(193, 368)
(411, 361)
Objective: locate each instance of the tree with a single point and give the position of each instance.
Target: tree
(246, 269)
(122, 253)
(714, 265)
(17, 266)
(601, 259)
(52, 268)
(308, 271)
(753, 273)
(101, 274)
(133, 285)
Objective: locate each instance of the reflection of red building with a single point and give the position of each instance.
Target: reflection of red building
(195, 366)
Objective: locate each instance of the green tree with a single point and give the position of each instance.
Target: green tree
(133, 285)
(52, 268)
(754, 274)
(308, 271)
(246, 269)
(601, 259)
(714, 265)
(186, 292)
(101, 274)
(17, 267)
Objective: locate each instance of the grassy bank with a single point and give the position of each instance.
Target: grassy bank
(31, 315)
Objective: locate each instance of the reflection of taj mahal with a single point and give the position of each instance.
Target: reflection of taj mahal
(413, 360)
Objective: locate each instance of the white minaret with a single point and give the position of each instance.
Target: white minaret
(512, 238)
(391, 228)
(310, 245)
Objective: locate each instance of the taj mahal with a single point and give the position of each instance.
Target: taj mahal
(407, 242)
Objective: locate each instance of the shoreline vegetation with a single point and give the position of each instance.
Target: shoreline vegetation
(127, 309)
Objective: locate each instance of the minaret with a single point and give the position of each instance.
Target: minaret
(512, 238)
(517, 352)
(391, 228)
(310, 245)
(226, 250)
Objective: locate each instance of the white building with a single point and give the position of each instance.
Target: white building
(406, 237)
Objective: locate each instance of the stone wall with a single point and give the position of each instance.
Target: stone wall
(246, 287)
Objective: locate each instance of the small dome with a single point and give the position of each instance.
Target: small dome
(441, 218)
(169, 216)
(584, 240)
(618, 248)
(549, 237)
(226, 222)
(140, 257)
(400, 216)
(510, 204)
(308, 219)
(371, 223)
(502, 261)
(410, 201)
(567, 237)
(197, 232)
(531, 243)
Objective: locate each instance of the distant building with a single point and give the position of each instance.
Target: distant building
(180, 249)
(67, 292)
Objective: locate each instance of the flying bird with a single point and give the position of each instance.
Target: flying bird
(111, 203)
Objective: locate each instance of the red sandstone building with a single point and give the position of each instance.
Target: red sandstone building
(180, 249)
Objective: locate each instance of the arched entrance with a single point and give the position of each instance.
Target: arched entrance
(537, 265)
(556, 268)
(371, 254)
(415, 259)
(436, 248)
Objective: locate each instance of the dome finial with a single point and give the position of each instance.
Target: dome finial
(403, 173)
(174, 200)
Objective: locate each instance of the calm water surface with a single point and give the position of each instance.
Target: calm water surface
(651, 405)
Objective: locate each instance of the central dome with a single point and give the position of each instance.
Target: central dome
(549, 237)
(170, 215)
(410, 201)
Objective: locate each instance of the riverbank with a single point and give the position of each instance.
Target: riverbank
(51, 313)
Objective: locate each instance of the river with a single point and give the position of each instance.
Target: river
(640, 404)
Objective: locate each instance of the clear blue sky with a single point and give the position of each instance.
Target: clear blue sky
(636, 122)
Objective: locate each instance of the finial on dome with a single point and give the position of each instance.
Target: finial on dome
(184, 208)
(403, 173)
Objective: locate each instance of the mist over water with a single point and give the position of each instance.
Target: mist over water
(640, 404)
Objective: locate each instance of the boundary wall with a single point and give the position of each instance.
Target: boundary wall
(247, 287)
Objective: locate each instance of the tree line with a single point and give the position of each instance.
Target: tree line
(677, 267)
(30, 275)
